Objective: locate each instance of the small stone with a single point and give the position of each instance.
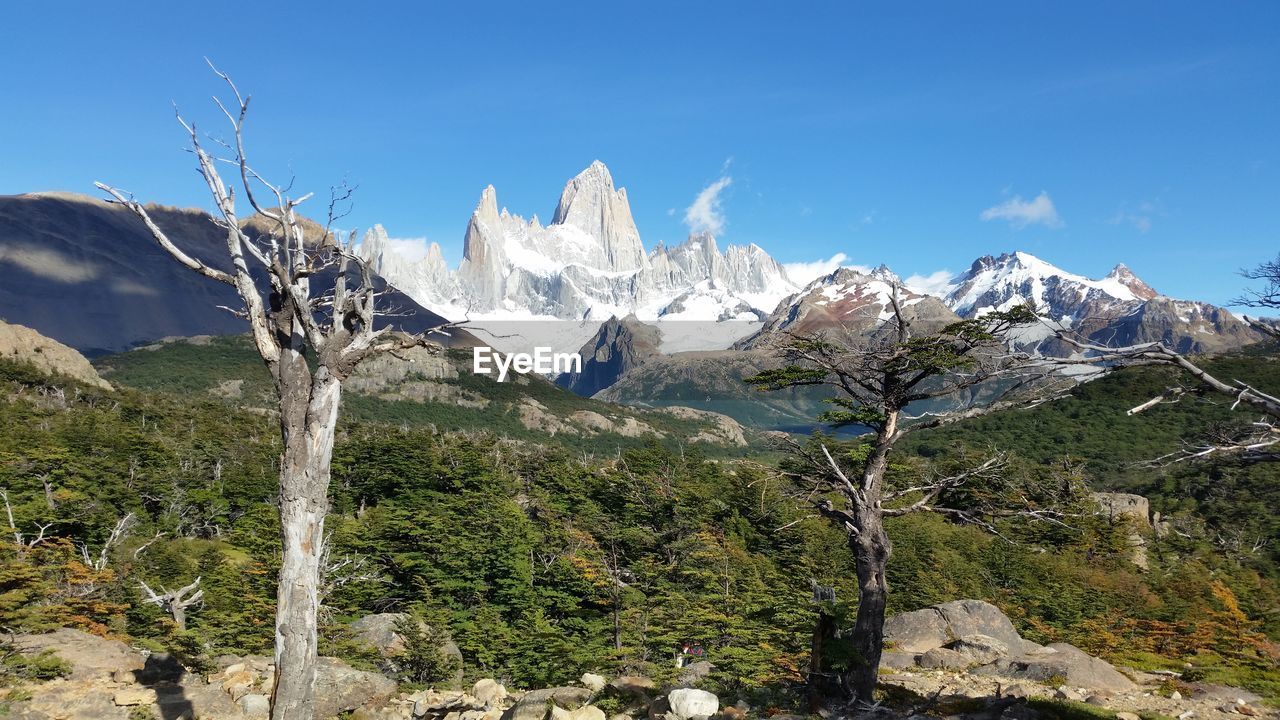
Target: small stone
(1127, 716)
(1247, 710)
(1175, 695)
(1227, 708)
(1066, 693)
(129, 697)
(233, 668)
(1188, 713)
(1096, 700)
(1017, 690)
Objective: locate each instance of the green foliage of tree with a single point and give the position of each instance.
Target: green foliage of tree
(542, 562)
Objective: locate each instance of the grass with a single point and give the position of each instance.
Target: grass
(1072, 710)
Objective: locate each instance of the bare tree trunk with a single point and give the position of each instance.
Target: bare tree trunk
(308, 417)
(821, 685)
(871, 550)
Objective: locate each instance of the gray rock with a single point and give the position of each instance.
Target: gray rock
(691, 703)
(634, 685)
(980, 649)
(341, 688)
(918, 631)
(255, 705)
(1060, 660)
(489, 692)
(944, 658)
(1017, 690)
(975, 617)
(1066, 693)
(898, 659)
(586, 712)
(91, 657)
(593, 682)
(535, 705)
(693, 674)
(378, 632)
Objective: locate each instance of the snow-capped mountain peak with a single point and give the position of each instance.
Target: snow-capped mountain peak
(1123, 275)
(589, 262)
(999, 283)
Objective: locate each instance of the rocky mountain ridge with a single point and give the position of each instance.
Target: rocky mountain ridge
(589, 264)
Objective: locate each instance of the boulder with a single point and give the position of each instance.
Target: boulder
(979, 649)
(1060, 661)
(489, 692)
(918, 631)
(379, 633)
(534, 704)
(944, 658)
(131, 696)
(637, 686)
(255, 705)
(693, 674)
(975, 617)
(91, 657)
(898, 659)
(593, 682)
(586, 712)
(341, 688)
(691, 703)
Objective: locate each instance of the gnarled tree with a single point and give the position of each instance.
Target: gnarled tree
(273, 271)
(875, 382)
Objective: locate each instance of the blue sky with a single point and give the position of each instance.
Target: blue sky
(1086, 133)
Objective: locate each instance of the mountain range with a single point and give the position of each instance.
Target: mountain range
(672, 325)
(588, 269)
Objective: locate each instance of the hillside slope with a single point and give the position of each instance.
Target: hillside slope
(88, 274)
(439, 391)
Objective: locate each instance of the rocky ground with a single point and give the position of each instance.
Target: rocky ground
(959, 660)
(967, 654)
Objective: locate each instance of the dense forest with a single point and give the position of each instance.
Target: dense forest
(542, 561)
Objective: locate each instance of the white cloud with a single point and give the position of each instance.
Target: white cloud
(803, 273)
(1021, 213)
(412, 249)
(1139, 216)
(935, 283)
(705, 214)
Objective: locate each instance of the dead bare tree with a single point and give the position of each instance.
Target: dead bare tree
(18, 538)
(289, 321)
(1266, 297)
(175, 602)
(1258, 441)
(121, 530)
(875, 381)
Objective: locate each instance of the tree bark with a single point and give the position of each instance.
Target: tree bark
(308, 418)
(871, 549)
(821, 684)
